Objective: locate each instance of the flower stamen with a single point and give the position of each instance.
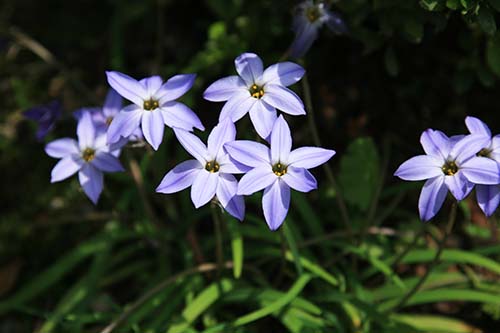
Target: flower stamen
(313, 14)
(485, 152)
(88, 154)
(279, 169)
(450, 168)
(109, 120)
(256, 91)
(151, 104)
(212, 166)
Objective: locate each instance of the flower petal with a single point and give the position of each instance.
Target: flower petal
(86, 131)
(180, 177)
(128, 87)
(65, 168)
(275, 203)
(237, 106)
(224, 132)
(125, 123)
(152, 84)
(299, 179)
(91, 181)
(432, 197)
(178, 115)
(335, 23)
(476, 126)
(309, 157)
(193, 145)
(283, 99)
(435, 143)
(488, 198)
(62, 147)
(226, 193)
(419, 168)
(250, 153)
(153, 127)
(175, 87)
(468, 147)
(305, 35)
(106, 162)
(458, 185)
(223, 89)
(204, 187)
(112, 104)
(229, 165)
(281, 141)
(263, 117)
(249, 67)
(283, 73)
(481, 170)
(256, 180)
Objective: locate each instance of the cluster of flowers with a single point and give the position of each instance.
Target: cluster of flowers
(102, 132)
(456, 163)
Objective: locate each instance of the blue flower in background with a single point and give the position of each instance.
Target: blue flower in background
(154, 107)
(90, 156)
(258, 92)
(210, 173)
(488, 196)
(308, 19)
(449, 164)
(46, 117)
(277, 169)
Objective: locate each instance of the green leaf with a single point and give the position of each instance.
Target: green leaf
(493, 54)
(453, 4)
(359, 171)
(435, 324)
(315, 269)
(293, 247)
(430, 4)
(236, 246)
(486, 20)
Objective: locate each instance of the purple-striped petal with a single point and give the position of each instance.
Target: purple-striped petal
(237, 106)
(193, 145)
(432, 197)
(435, 143)
(153, 127)
(65, 168)
(249, 67)
(226, 193)
(481, 170)
(299, 179)
(223, 89)
(204, 187)
(281, 141)
(468, 147)
(91, 181)
(488, 198)
(125, 123)
(250, 153)
(275, 203)
(224, 132)
(128, 87)
(263, 117)
(283, 99)
(256, 180)
(106, 162)
(458, 185)
(229, 165)
(476, 126)
(305, 35)
(180, 177)
(283, 73)
(62, 147)
(86, 131)
(178, 115)
(420, 167)
(175, 87)
(309, 157)
(112, 104)
(335, 23)
(152, 84)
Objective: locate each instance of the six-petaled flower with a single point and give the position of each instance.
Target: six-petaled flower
(46, 117)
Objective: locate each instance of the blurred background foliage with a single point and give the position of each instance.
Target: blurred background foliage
(144, 262)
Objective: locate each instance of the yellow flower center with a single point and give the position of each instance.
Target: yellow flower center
(256, 91)
(485, 152)
(88, 154)
(450, 168)
(151, 104)
(212, 166)
(279, 169)
(313, 14)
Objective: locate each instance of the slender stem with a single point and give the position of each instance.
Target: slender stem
(435, 261)
(207, 267)
(219, 255)
(326, 166)
(416, 237)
